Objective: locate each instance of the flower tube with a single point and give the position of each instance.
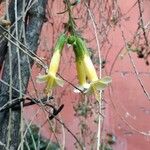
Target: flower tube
(50, 78)
(83, 85)
(81, 74)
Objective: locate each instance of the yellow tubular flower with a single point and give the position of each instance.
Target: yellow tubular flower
(50, 78)
(88, 69)
(95, 83)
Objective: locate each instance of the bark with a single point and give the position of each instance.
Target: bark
(35, 20)
(3, 41)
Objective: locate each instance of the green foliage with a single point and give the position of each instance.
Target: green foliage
(33, 141)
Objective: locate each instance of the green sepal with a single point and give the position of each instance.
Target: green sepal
(71, 39)
(62, 39)
(79, 47)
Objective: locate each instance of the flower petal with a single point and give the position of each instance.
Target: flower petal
(41, 78)
(78, 89)
(106, 80)
(98, 85)
(51, 81)
(59, 81)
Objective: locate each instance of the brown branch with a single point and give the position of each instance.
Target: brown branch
(142, 23)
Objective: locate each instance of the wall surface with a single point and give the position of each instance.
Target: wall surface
(127, 108)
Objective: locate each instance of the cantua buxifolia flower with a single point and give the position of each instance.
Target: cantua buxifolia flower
(81, 74)
(85, 69)
(50, 78)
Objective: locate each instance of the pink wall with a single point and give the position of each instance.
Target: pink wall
(127, 107)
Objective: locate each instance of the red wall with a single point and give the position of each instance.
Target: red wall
(127, 112)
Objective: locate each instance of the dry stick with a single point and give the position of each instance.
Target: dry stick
(24, 40)
(129, 10)
(19, 70)
(30, 4)
(45, 112)
(70, 83)
(138, 78)
(25, 43)
(10, 82)
(38, 59)
(33, 140)
(11, 86)
(63, 133)
(142, 23)
(62, 123)
(2, 144)
(114, 105)
(115, 60)
(29, 124)
(100, 74)
(27, 145)
(70, 133)
(5, 30)
(135, 70)
(55, 117)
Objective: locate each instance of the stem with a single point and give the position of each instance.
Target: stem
(71, 27)
(10, 82)
(100, 75)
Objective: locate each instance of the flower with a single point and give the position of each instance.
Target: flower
(50, 78)
(96, 84)
(85, 68)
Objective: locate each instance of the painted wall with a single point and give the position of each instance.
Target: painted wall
(127, 109)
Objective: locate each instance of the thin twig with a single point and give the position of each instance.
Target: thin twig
(135, 69)
(100, 75)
